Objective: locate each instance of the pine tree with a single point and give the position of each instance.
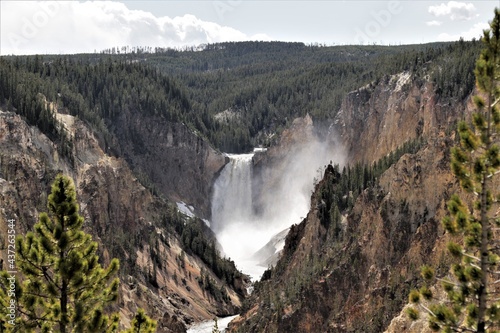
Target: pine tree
(473, 304)
(142, 323)
(63, 287)
(215, 329)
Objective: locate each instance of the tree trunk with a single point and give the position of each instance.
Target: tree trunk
(64, 307)
(482, 292)
(485, 227)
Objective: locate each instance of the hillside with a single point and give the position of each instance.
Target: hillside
(236, 95)
(159, 271)
(349, 265)
(142, 133)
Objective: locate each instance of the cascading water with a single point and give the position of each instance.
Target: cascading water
(233, 218)
(232, 199)
(242, 232)
(284, 196)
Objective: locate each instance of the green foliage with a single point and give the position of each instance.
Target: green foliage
(414, 296)
(427, 272)
(339, 190)
(237, 95)
(453, 74)
(95, 91)
(412, 313)
(265, 96)
(62, 276)
(141, 323)
(27, 93)
(63, 287)
(208, 284)
(426, 293)
(472, 305)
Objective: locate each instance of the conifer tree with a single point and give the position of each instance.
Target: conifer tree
(215, 329)
(473, 303)
(142, 323)
(63, 287)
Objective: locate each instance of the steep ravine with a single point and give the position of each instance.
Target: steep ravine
(128, 222)
(357, 278)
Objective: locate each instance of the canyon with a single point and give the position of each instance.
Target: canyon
(280, 236)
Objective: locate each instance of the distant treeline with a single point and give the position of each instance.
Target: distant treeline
(261, 86)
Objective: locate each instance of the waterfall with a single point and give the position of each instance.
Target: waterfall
(241, 232)
(233, 219)
(232, 197)
(284, 195)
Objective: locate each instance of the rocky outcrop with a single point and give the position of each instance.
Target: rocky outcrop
(376, 119)
(356, 278)
(180, 164)
(359, 280)
(126, 219)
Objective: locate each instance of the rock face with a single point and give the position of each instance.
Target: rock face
(181, 165)
(128, 222)
(376, 119)
(357, 278)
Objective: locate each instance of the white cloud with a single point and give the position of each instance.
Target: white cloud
(73, 27)
(434, 23)
(476, 31)
(456, 11)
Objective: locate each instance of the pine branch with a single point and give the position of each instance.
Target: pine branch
(38, 295)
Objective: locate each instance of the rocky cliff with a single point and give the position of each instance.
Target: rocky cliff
(129, 222)
(181, 165)
(355, 275)
(376, 119)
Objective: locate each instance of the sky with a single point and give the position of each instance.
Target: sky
(66, 27)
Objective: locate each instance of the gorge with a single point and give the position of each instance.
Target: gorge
(352, 186)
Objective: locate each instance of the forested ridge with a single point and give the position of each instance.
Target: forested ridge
(237, 95)
(95, 93)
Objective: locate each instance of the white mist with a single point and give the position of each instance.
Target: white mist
(233, 218)
(284, 199)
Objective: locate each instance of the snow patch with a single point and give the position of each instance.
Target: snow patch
(207, 326)
(185, 209)
(227, 115)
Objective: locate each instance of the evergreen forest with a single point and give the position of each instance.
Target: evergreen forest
(236, 95)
